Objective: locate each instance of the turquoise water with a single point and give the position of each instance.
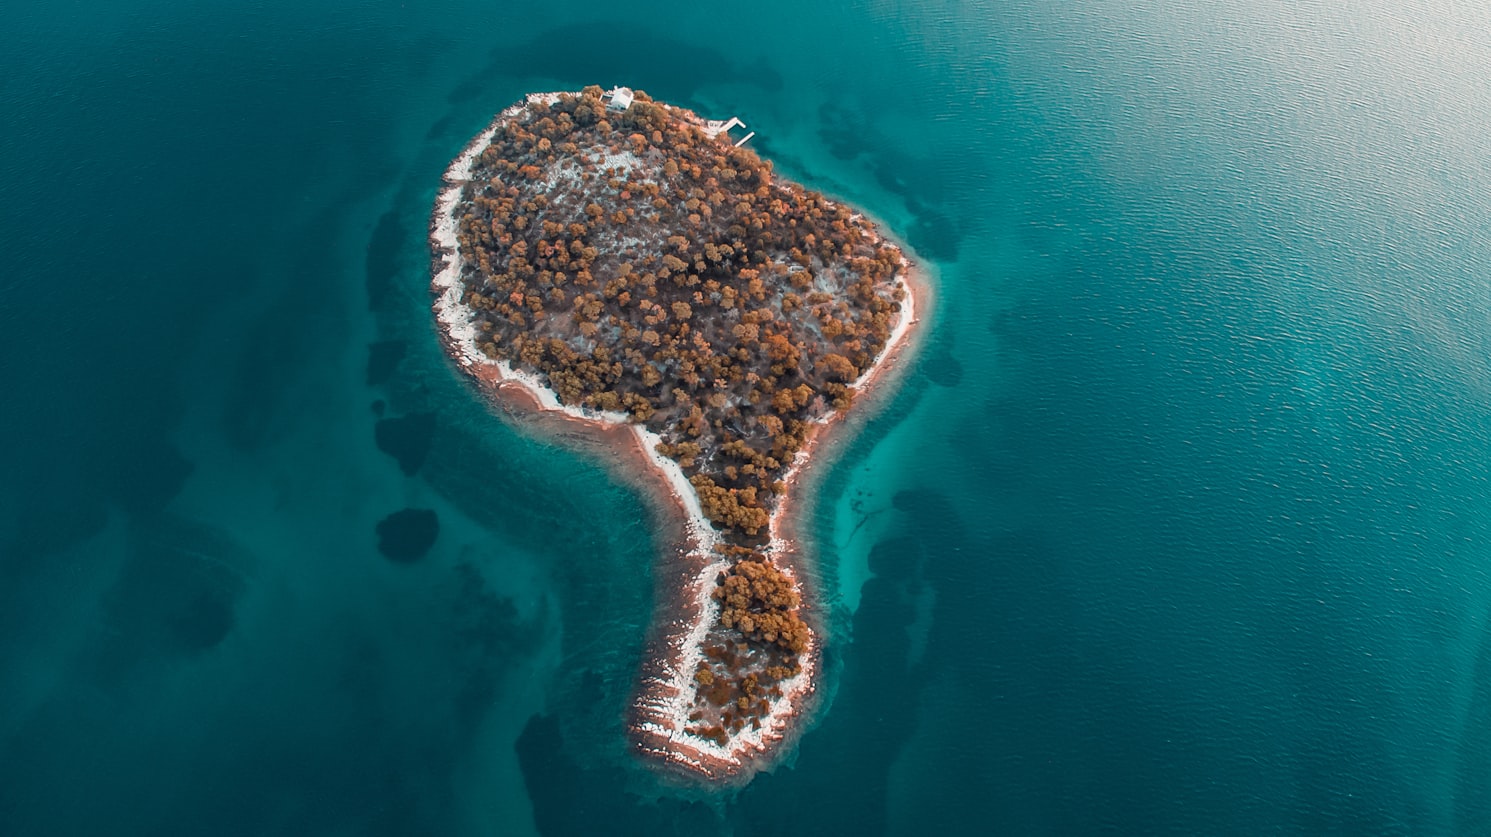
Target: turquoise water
(1180, 525)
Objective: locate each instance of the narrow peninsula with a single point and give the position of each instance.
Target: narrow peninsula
(616, 267)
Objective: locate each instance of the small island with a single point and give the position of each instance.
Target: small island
(615, 267)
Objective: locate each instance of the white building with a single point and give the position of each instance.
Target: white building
(621, 98)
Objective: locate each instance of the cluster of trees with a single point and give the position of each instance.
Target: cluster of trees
(644, 267)
(739, 677)
(730, 507)
(761, 602)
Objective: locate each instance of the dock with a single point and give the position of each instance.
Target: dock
(714, 127)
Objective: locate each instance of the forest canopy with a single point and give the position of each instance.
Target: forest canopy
(640, 266)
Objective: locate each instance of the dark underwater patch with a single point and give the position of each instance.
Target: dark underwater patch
(489, 634)
(385, 246)
(842, 131)
(48, 522)
(407, 439)
(175, 596)
(383, 359)
(148, 476)
(440, 128)
(406, 535)
(933, 234)
(848, 135)
(274, 349)
(942, 368)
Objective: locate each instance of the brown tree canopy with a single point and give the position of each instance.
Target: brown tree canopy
(638, 265)
(760, 601)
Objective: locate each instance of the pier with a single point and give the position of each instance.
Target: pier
(714, 127)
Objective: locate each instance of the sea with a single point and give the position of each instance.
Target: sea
(1179, 524)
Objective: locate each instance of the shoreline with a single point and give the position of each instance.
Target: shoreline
(684, 610)
(873, 390)
(872, 387)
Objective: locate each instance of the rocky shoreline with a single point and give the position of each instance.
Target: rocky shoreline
(659, 718)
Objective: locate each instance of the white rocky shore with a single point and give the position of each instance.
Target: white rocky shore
(666, 700)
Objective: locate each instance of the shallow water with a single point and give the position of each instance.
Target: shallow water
(1179, 525)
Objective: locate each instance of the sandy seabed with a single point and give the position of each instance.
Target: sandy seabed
(686, 572)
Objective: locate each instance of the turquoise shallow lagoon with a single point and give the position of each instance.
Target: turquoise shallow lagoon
(1180, 524)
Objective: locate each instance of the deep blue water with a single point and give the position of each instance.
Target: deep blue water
(1181, 524)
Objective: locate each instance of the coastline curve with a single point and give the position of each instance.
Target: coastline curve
(666, 719)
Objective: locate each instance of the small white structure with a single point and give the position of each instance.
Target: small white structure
(714, 127)
(743, 140)
(621, 98)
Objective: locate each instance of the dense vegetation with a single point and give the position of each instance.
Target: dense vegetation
(739, 676)
(639, 265)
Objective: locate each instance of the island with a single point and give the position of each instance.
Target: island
(609, 266)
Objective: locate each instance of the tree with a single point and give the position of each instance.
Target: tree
(761, 602)
(838, 368)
